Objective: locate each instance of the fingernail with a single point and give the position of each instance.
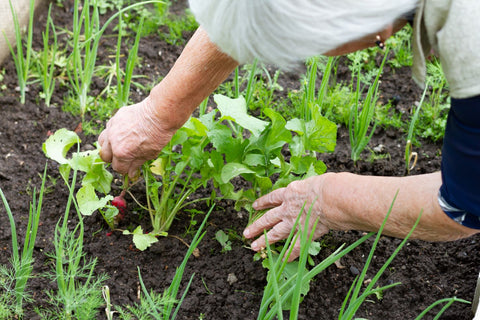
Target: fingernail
(246, 233)
(254, 204)
(255, 245)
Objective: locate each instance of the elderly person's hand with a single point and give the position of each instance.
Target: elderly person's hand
(345, 201)
(285, 204)
(133, 136)
(138, 133)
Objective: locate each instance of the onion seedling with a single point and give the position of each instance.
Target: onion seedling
(283, 293)
(22, 55)
(409, 155)
(85, 46)
(360, 120)
(47, 59)
(23, 263)
(124, 78)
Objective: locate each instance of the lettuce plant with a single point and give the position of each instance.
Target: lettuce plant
(97, 178)
(268, 154)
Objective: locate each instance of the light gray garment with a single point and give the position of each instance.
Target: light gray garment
(451, 28)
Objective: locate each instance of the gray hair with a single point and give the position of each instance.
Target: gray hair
(286, 32)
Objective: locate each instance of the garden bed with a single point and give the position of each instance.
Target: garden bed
(427, 271)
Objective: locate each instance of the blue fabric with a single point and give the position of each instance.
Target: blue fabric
(461, 162)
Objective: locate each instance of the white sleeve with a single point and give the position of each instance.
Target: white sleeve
(286, 32)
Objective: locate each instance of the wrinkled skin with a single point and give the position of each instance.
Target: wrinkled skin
(285, 204)
(132, 137)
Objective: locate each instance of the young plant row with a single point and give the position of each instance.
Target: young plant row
(69, 56)
(217, 147)
(80, 294)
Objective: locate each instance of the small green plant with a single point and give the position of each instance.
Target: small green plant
(86, 39)
(23, 54)
(224, 240)
(22, 264)
(165, 306)
(409, 154)
(96, 179)
(287, 282)
(78, 294)
(400, 45)
(361, 118)
(259, 157)
(124, 78)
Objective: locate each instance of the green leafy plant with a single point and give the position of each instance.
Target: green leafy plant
(170, 180)
(362, 116)
(124, 78)
(78, 294)
(259, 157)
(224, 240)
(22, 264)
(96, 179)
(22, 55)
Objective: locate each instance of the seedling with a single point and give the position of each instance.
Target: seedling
(224, 240)
(22, 55)
(84, 53)
(361, 118)
(47, 59)
(23, 263)
(409, 154)
(124, 78)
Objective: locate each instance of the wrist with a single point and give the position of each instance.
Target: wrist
(334, 210)
(165, 110)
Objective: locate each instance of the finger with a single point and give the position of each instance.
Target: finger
(121, 166)
(134, 169)
(295, 248)
(106, 152)
(273, 199)
(102, 137)
(268, 220)
(279, 232)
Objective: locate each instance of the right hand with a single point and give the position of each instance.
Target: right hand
(132, 136)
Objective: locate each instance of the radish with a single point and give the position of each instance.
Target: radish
(120, 203)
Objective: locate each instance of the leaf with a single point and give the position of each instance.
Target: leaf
(143, 241)
(109, 215)
(58, 144)
(194, 127)
(231, 170)
(88, 201)
(322, 135)
(314, 248)
(221, 237)
(158, 166)
(254, 159)
(291, 269)
(236, 110)
(99, 177)
(83, 161)
(319, 134)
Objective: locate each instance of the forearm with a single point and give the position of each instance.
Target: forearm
(199, 70)
(354, 202)
(369, 40)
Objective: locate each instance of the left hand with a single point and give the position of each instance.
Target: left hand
(285, 205)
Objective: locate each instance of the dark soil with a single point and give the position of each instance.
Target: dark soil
(427, 271)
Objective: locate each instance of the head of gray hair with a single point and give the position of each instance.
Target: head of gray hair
(286, 32)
